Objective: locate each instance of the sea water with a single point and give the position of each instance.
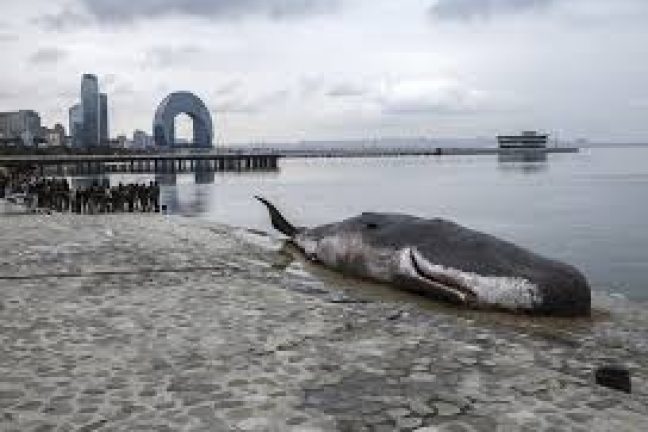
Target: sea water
(589, 209)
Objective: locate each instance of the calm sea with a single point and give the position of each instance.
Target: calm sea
(589, 209)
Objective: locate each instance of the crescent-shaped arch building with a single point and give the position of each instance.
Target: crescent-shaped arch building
(178, 103)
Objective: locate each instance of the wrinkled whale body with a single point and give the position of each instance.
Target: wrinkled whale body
(442, 260)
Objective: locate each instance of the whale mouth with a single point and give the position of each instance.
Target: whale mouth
(441, 283)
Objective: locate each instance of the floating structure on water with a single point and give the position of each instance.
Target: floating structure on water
(526, 140)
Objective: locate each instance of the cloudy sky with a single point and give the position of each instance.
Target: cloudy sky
(289, 70)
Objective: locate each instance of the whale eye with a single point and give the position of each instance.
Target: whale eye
(372, 225)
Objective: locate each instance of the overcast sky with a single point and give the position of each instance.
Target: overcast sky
(289, 70)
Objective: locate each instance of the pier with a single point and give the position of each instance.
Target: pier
(145, 163)
(369, 152)
(255, 159)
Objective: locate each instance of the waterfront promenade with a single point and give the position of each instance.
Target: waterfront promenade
(141, 322)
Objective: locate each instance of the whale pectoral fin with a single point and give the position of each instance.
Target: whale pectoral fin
(276, 218)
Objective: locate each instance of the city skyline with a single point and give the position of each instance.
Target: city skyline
(346, 69)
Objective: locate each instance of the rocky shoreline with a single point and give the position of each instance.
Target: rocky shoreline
(141, 322)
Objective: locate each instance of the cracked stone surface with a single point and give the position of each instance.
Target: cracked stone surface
(147, 323)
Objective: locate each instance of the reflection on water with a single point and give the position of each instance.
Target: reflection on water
(204, 177)
(192, 203)
(166, 179)
(529, 161)
(180, 196)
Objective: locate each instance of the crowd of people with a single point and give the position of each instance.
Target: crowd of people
(56, 194)
(15, 181)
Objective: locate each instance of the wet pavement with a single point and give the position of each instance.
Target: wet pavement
(142, 322)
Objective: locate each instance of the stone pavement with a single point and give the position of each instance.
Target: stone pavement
(149, 323)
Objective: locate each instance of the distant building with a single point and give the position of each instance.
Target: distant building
(54, 137)
(526, 140)
(90, 108)
(89, 123)
(76, 125)
(60, 129)
(20, 127)
(178, 103)
(141, 140)
(104, 134)
(122, 141)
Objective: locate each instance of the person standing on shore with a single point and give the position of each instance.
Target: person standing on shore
(155, 195)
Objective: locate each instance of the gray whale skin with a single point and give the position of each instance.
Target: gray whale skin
(444, 261)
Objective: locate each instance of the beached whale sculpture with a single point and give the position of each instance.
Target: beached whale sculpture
(442, 260)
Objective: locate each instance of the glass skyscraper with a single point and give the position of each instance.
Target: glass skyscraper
(23, 126)
(90, 108)
(103, 119)
(76, 125)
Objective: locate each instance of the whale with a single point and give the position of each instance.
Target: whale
(442, 260)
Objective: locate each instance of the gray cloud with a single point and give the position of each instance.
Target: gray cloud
(7, 94)
(470, 9)
(64, 20)
(117, 85)
(228, 89)
(169, 55)
(244, 105)
(434, 96)
(47, 55)
(310, 86)
(346, 90)
(8, 37)
(120, 11)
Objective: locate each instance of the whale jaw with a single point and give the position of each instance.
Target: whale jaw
(412, 272)
(466, 288)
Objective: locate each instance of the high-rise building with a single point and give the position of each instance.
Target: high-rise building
(76, 125)
(22, 126)
(103, 119)
(5, 121)
(90, 108)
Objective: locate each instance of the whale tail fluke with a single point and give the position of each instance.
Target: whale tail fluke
(278, 221)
